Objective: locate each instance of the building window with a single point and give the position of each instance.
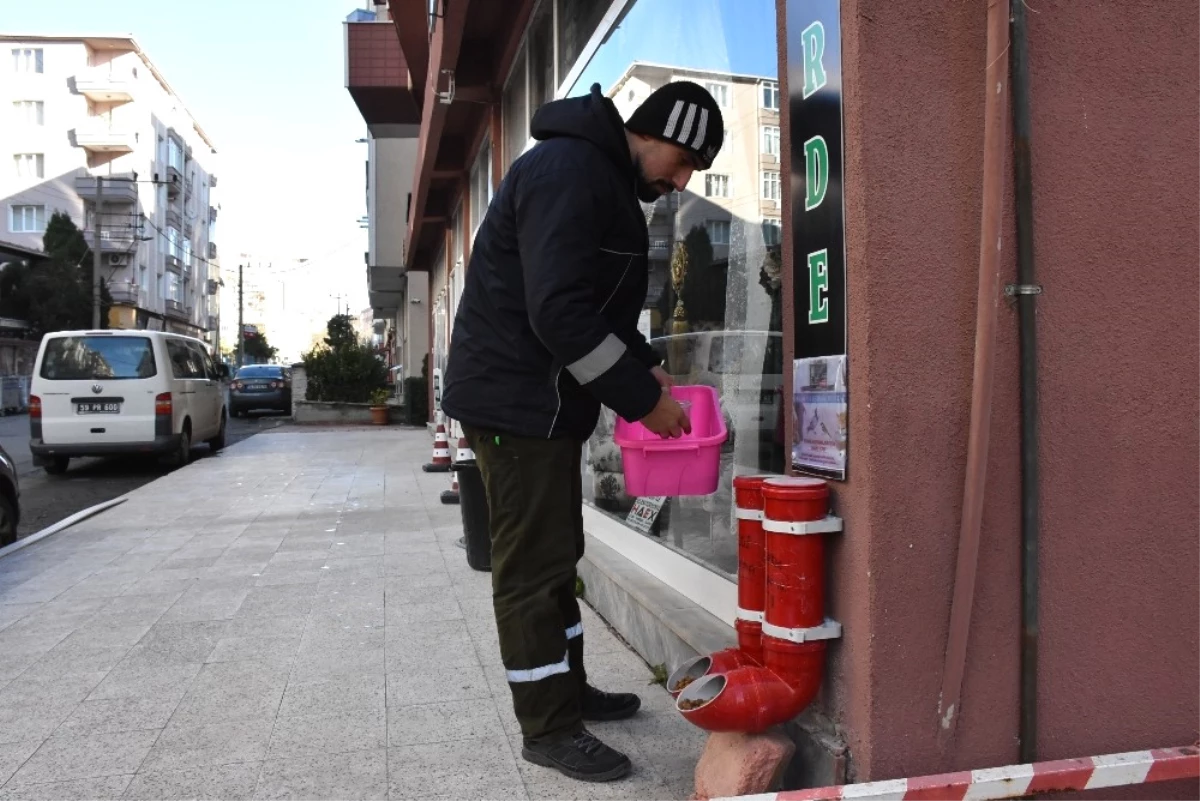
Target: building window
(28, 219)
(577, 21)
(772, 231)
(30, 165)
(718, 231)
(770, 140)
(27, 59)
(175, 154)
(770, 95)
(540, 49)
(516, 113)
(30, 112)
(174, 289)
(186, 253)
(481, 187)
(720, 93)
(716, 185)
(770, 185)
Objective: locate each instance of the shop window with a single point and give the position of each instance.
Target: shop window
(577, 21)
(728, 334)
(540, 52)
(481, 187)
(718, 231)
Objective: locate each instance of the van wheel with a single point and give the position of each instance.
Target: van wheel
(57, 465)
(184, 454)
(218, 442)
(8, 520)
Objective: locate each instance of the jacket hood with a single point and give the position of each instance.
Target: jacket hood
(592, 117)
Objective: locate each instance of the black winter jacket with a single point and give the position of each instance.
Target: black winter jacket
(546, 328)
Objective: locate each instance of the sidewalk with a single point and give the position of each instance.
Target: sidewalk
(290, 619)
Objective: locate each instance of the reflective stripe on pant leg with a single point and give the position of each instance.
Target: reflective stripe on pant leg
(539, 673)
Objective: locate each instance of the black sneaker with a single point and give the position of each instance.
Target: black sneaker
(580, 756)
(599, 705)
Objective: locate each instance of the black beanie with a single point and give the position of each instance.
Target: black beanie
(685, 114)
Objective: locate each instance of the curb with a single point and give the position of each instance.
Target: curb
(65, 523)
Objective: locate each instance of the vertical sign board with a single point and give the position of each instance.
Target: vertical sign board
(819, 400)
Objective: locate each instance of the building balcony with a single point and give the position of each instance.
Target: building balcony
(660, 248)
(113, 240)
(118, 188)
(177, 310)
(99, 136)
(378, 79)
(125, 293)
(174, 263)
(105, 85)
(174, 181)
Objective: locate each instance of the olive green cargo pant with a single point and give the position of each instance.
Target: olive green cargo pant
(535, 501)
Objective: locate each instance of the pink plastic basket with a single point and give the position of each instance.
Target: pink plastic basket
(690, 465)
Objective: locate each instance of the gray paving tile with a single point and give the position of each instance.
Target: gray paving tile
(360, 775)
(442, 683)
(69, 757)
(313, 735)
(145, 679)
(442, 722)
(476, 768)
(96, 789)
(212, 783)
(13, 756)
(275, 650)
(66, 658)
(334, 694)
(185, 747)
(180, 642)
(275, 601)
(11, 613)
(232, 691)
(319, 664)
(119, 714)
(280, 626)
(413, 563)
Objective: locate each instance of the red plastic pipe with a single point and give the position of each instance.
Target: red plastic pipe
(752, 698)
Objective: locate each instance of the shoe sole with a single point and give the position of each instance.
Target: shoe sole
(618, 772)
(620, 714)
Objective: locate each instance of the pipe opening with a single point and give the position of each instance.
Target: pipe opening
(701, 692)
(688, 672)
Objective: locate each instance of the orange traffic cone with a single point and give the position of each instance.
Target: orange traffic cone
(441, 452)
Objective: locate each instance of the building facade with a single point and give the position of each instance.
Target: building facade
(93, 129)
(830, 258)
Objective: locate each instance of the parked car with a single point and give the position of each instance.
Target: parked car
(261, 386)
(10, 503)
(102, 393)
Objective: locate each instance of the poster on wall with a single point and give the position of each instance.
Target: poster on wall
(820, 415)
(814, 47)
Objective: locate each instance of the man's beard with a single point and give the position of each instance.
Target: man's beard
(648, 191)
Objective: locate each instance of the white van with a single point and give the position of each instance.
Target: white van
(101, 393)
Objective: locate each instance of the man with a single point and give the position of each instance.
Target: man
(546, 332)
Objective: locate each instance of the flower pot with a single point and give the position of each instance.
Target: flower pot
(379, 415)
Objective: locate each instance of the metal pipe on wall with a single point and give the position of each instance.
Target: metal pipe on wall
(991, 218)
(1026, 293)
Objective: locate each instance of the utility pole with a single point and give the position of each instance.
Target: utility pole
(96, 253)
(241, 336)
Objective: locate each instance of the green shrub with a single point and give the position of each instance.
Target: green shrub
(343, 369)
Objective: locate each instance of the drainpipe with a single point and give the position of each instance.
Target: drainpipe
(974, 483)
(1026, 292)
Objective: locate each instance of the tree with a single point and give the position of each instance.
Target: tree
(258, 349)
(56, 295)
(343, 368)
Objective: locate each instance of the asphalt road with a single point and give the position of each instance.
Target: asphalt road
(47, 499)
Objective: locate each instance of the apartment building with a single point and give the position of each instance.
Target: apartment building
(377, 78)
(93, 129)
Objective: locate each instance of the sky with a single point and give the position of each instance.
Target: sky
(266, 82)
(735, 36)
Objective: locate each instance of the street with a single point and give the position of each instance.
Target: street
(47, 499)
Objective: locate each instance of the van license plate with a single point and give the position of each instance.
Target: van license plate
(98, 407)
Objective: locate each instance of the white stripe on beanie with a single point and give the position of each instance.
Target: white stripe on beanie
(672, 120)
(686, 131)
(701, 129)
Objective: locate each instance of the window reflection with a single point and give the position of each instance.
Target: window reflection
(714, 309)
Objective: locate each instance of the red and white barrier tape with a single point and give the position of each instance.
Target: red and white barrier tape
(1016, 781)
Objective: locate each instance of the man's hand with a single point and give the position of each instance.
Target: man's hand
(668, 418)
(662, 377)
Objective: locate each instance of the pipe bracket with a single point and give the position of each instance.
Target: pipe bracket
(1022, 289)
(829, 630)
(828, 525)
(750, 615)
(748, 514)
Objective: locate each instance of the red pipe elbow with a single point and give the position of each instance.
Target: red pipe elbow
(701, 666)
(752, 699)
